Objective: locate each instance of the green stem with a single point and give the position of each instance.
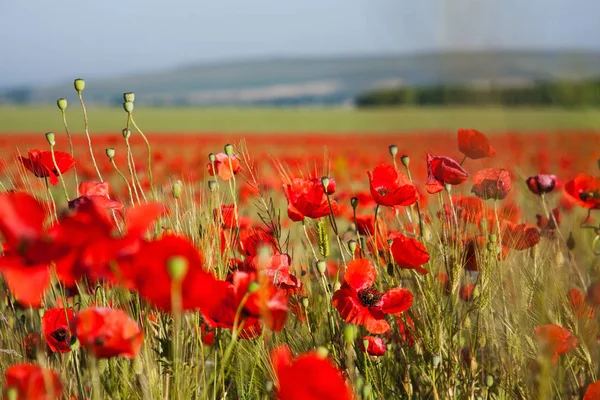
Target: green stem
(87, 134)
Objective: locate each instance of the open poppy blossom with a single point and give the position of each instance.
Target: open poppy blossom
(375, 346)
(593, 391)
(31, 382)
(42, 164)
(276, 269)
(555, 340)
(56, 328)
(307, 377)
(390, 187)
(409, 253)
(585, 191)
(225, 166)
(442, 170)
(519, 237)
(474, 144)
(97, 192)
(108, 332)
(542, 183)
(360, 303)
(307, 198)
(491, 183)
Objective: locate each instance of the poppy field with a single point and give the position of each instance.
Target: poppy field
(432, 264)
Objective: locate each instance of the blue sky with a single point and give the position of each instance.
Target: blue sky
(43, 41)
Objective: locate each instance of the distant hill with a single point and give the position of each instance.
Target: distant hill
(314, 81)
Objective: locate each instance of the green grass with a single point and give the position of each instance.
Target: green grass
(42, 119)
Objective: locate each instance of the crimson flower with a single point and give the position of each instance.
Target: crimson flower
(225, 166)
(474, 144)
(307, 198)
(31, 382)
(442, 170)
(585, 190)
(519, 237)
(578, 304)
(409, 253)
(108, 332)
(542, 183)
(593, 391)
(97, 192)
(465, 292)
(42, 165)
(389, 187)
(555, 340)
(491, 183)
(276, 269)
(375, 346)
(56, 329)
(359, 302)
(226, 215)
(307, 377)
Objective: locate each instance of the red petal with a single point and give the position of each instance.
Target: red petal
(141, 218)
(26, 283)
(360, 274)
(22, 218)
(396, 300)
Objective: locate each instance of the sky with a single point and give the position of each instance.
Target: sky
(44, 41)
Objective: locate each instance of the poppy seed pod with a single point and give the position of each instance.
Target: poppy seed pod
(62, 104)
(305, 302)
(321, 266)
(110, 152)
(129, 97)
(211, 157)
(126, 133)
(79, 85)
(322, 352)
(336, 286)
(405, 160)
(212, 185)
(366, 345)
(349, 333)
(128, 106)
(354, 202)
(176, 189)
(50, 138)
(352, 244)
(325, 182)
(489, 381)
(177, 267)
(228, 149)
(393, 150)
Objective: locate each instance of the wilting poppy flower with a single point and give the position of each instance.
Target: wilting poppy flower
(409, 253)
(491, 183)
(42, 165)
(97, 192)
(519, 237)
(307, 198)
(555, 340)
(307, 377)
(359, 302)
(540, 184)
(442, 170)
(225, 166)
(474, 144)
(390, 187)
(56, 329)
(108, 332)
(32, 382)
(593, 391)
(375, 345)
(578, 304)
(585, 190)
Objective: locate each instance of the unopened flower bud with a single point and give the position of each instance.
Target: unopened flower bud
(211, 157)
(212, 185)
(489, 381)
(436, 360)
(305, 302)
(570, 241)
(12, 393)
(79, 85)
(253, 287)
(229, 150)
(352, 245)
(62, 104)
(269, 386)
(354, 202)
(365, 345)
(493, 238)
(337, 286)
(129, 97)
(448, 187)
(325, 182)
(321, 266)
(367, 391)
(322, 352)
(177, 267)
(128, 106)
(176, 189)
(393, 150)
(50, 138)
(349, 333)
(405, 160)
(110, 152)
(126, 133)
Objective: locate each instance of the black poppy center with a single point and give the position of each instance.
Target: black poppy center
(61, 335)
(382, 190)
(369, 297)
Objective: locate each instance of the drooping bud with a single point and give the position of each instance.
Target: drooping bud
(129, 97)
(126, 133)
(405, 160)
(253, 287)
(110, 152)
(570, 241)
(177, 267)
(176, 189)
(128, 106)
(62, 104)
(393, 150)
(305, 302)
(50, 138)
(352, 245)
(79, 85)
(354, 202)
(229, 150)
(321, 266)
(212, 185)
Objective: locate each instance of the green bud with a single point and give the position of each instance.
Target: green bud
(354, 202)
(393, 150)
(489, 381)
(129, 97)
(352, 245)
(253, 287)
(367, 391)
(269, 385)
(79, 85)
(322, 352)
(325, 182)
(321, 266)
(229, 150)
(62, 104)
(493, 238)
(436, 360)
(305, 302)
(491, 247)
(110, 152)
(126, 133)
(12, 393)
(177, 267)
(405, 160)
(349, 333)
(365, 345)
(50, 138)
(212, 185)
(212, 158)
(41, 312)
(448, 187)
(176, 189)
(128, 106)
(337, 286)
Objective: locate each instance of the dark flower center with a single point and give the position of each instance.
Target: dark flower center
(382, 190)
(61, 335)
(369, 296)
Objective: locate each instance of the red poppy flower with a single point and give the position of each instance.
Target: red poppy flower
(442, 170)
(474, 144)
(409, 253)
(491, 183)
(555, 340)
(97, 192)
(56, 329)
(207, 334)
(108, 332)
(593, 391)
(307, 377)
(226, 215)
(150, 272)
(276, 269)
(42, 164)
(307, 198)
(375, 346)
(578, 304)
(519, 237)
(252, 239)
(358, 302)
(585, 190)
(32, 382)
(225, 166)
(540, 184)
(465, 292)
(389, 187)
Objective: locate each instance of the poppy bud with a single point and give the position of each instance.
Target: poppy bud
(128, 106)
(491, 247)
(436, 360)
(354, 202)
(229, 150)
(269, 385)
(325, 182)
(492, 238)
(253, 287)
(50, 138)
(110, 152)
(126, 133)
(12, 394)
(129, 97)
(489, 381)
(350, 333)
(305, 302)
(322, 352)
(390, 269)
(176, 189)
(321, 266)
(337, 286)
(79, 85)
(393, 150)
(405, 160)
(212, 157)
(570, 241)
(367, 390)
(352, 244)
(177, 267)
(212, 185)
(448, 187)
(62, 104)
(365, 345)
